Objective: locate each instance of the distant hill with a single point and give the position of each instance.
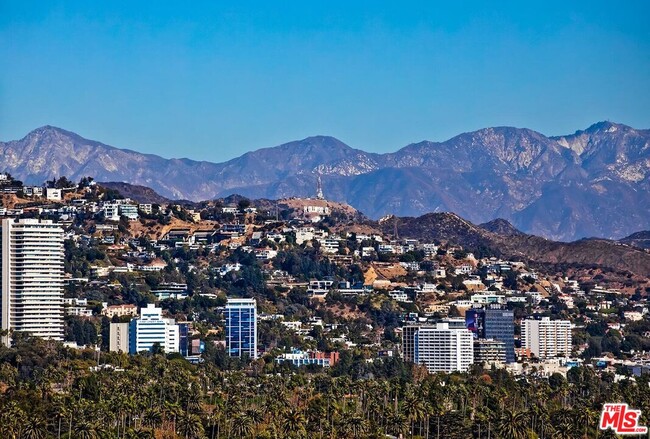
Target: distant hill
(501, 227)
(141, 194)
(595, 182)
(504, 241)
(638, 239)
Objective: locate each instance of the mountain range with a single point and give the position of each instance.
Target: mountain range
(595, 182)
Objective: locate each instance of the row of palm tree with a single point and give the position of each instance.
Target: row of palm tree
(157, 397)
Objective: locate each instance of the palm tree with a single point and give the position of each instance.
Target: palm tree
(293, 423)
(193, 401)
(85, 429)
(152, 417)
(256, 416)
(316, 414)
(355, 426)
(398, 423)
(241, 425)
(512, 425)
(171, 412)
(11, 420)
(212, 420)
(584, 419)
(190, 426)
(34, 428)
(414, 409)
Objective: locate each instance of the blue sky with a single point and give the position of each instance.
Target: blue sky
(211, 80)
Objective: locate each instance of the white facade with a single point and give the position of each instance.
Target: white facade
(129, 211)
(304, 235)
(399, 296)
(111, 211)
(33, 191)
(53, 194)
(265, 254)
(330, 245)
(546, 338)
(442, 349)
(152, 328)
(32, 277)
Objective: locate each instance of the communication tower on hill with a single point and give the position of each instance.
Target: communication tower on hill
(319, 188)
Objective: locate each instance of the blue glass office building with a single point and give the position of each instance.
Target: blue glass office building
(241, 327)
(496, 324)
(184, 339)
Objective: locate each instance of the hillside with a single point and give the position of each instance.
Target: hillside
(456, 230)
(141, 194)
(638, 239)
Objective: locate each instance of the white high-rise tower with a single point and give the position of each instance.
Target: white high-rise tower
(32, 278)
(546, 338)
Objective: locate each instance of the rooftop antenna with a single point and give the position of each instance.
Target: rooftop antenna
(319, 187)
(395, 227)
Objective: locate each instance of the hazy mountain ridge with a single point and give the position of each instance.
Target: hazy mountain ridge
(594, 182)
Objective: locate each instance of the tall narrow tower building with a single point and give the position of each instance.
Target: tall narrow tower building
(32, 278)
(241, 328)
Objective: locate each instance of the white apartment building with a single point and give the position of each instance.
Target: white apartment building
(329, 245)
(33, 191)
(152, 328)
(146, 208)
(53, 194)
(399, 296)
(32, 278)
(546, 338)
(111, 211)
(130, 211)
(304, 234)
(443, 349)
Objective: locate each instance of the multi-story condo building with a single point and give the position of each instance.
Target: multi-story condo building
(241, 327)
(129, 211)
(151, 329)
(488, 351)
(408, 342)
(439, 348)
(546, 338)
(408, 336)
(496, 324)
(32, 278)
